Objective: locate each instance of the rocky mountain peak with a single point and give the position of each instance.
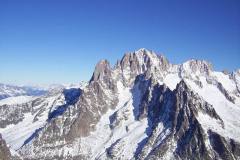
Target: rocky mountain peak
(200, 66)
(102, 70)
(144, 58)
(194, 68)
(154, 58)
(142, 61)
(182, 86)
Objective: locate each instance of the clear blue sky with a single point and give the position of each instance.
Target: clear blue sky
(60, 41)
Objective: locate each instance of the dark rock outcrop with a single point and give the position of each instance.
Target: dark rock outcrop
(13, 114)
(5, 153)
(224, 149)
(177, 110)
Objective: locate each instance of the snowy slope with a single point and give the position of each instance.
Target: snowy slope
(16, 100)
(228, 111)
(16, 134)
(105, 137)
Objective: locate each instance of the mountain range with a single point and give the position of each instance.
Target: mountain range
(144, 107)
(14, 90)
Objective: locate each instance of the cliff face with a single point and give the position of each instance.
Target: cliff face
(4, 150)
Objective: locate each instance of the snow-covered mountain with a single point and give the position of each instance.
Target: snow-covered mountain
(13, 91)
(142, 108)
(13, 94)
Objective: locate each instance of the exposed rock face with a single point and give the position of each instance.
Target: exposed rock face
(177, 112)
(13, 114)
(142, 62)
(102, 71)
(80, 117)
(143, 108)
(95, 101)
(224, 149)
(225, 92)
(4, 150)
(193, 68)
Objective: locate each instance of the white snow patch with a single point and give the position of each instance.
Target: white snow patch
(171, 80)
(228, 111)
(16, 100)
(224, 79)
(15, 135)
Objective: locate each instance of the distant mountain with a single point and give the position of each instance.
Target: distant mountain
(13, 91)
(142, 108)
(36, 90)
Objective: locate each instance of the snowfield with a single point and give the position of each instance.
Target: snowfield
(16, 100)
